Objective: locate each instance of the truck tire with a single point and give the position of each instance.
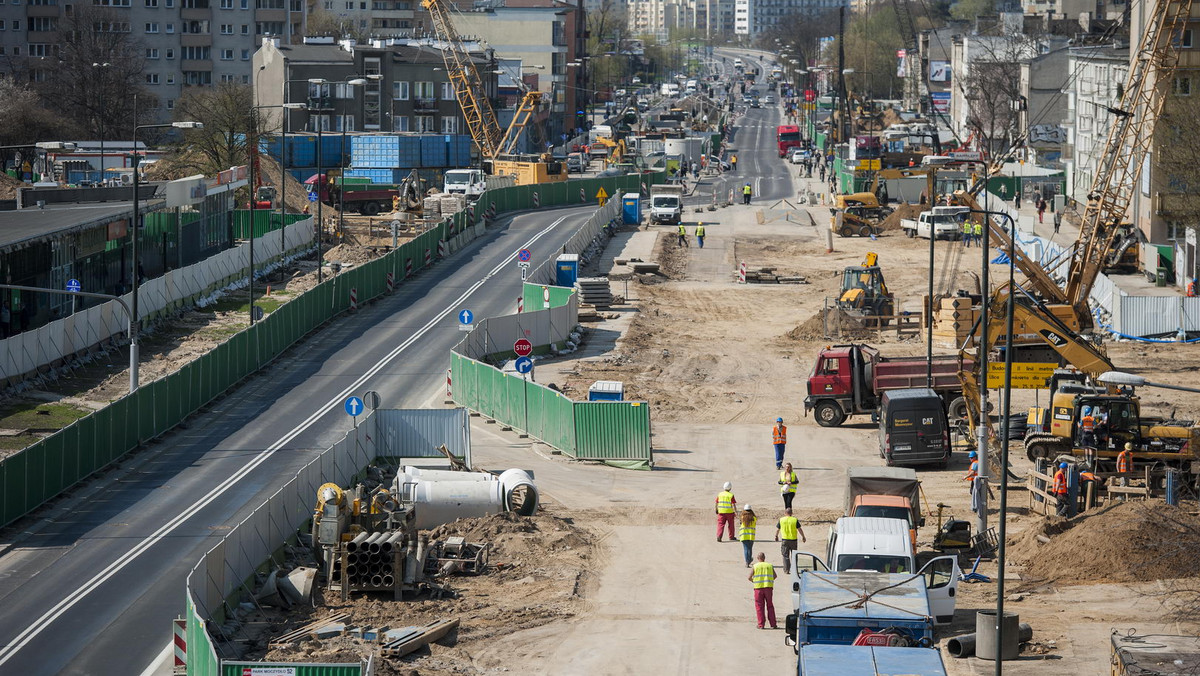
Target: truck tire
(370, 209)
(846, 231)
(864, 231)
(829, 414)
(957, 409)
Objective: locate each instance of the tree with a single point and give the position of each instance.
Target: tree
(226, 111)
(97, 75)
(321, 23)
(969, 10)
(25, 119)
(1175, 176)
(992, 88)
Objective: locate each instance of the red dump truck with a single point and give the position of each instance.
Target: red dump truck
(850, 379)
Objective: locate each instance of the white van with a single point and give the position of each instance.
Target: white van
(884, 546)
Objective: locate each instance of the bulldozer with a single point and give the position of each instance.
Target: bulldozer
(864, 293)
(861, 214)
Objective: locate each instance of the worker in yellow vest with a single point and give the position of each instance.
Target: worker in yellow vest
(682, 235)
(726, 508)
(763, 576)
(788, 481)
(748, 532)
(746, 192)
(977, 233)
(779, 440)
(967, 229)
(788, 529)
(700, 235)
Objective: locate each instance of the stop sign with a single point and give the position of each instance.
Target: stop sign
(523, 348)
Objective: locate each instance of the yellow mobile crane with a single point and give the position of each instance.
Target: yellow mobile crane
(495, 146)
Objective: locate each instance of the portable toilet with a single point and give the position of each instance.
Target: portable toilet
(631, 208)
(566, 270)
(606, 390)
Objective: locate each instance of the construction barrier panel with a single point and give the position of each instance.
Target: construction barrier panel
(38, 473)
(264, 221)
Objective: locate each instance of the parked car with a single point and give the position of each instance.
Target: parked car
(798, 155)
(770, 98)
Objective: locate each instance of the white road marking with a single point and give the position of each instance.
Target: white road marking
(42, 623)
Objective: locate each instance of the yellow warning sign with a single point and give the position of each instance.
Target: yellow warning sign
(601, 194)
(1025, 375)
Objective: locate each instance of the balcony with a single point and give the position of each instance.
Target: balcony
(425, 104)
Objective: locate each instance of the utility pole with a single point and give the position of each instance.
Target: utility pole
(843, 100)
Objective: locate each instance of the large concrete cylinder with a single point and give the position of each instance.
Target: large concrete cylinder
(520, 495)
(418, 474)
(985, 636)
(439, 502)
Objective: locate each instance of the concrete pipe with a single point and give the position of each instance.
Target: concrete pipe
(386, 569)
(964, 646)
(520, 494)
(353, 545)
(351, 570)
(439, 502)
(418, 474)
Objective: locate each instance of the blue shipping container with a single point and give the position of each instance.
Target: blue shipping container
(830, 611)
(847, 660)
(435, 150)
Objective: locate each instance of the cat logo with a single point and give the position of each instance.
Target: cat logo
(1053, 338)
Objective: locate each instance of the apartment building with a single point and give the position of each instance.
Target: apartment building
(753, 17)
(1100, 74)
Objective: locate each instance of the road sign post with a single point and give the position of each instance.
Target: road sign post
(354, 408)
(465, 319)
(523, 347)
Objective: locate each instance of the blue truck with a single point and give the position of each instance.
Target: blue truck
(849, 660)
(834, 608)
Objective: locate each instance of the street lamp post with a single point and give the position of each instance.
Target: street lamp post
(133, 235)
(100, 118)
(254, 174)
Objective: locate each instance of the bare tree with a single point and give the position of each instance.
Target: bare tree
(321, 23)
(992, 88)
(226, 111)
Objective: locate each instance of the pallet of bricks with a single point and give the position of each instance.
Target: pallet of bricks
(954, 320)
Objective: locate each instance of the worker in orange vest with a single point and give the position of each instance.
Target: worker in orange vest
(1125, 462)
(1059, 488)
(1087, 428)
(972, 471)
(779, 439)
(1193, 287)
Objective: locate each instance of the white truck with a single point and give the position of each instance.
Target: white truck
(943, 222)
(666, 204)
(469, 182)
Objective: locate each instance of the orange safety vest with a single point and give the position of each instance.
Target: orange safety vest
(1088, 423)
(1191, 289)
(972, 472)
(1125, 461)
(1060, 483)
(779, 434)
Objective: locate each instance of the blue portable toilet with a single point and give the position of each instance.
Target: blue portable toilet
(631, 208)
(606, 390)
(566, 270)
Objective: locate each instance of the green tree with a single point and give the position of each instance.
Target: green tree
(871, 43)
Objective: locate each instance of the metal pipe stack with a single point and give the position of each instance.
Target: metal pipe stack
(371, 559)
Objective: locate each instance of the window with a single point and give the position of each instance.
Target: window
(1182, 86)
(449, 125)
(16, 51)
(228, 78)
(245, 79)
(245, 55)
(1176, 230)
(152, 3)
(1186, 42)
(1, 24)
(170, 52)
(152, 78)
(151, 53)
(448, 91)
(194, 27)
(170, 28)
(16, 24)
(39, 3)
(170, 78)
(349, 5)
(38, 24)
(400, 123)
(168, 3)
(197, 77)
(39, 49)
(362, 5)
(108, 26)
(269, 4)
(170, 104)
(269, 28)
(400, 91)
(194, 4)
(423, 91)
(328, 5)
(152, 27)
(245, 29)
(226, 29)
(196, 53)
(103, 3)
(227, 55)
(425, 123)
(245, 4)
(226, 4)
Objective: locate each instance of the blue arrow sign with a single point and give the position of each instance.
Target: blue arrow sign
(74, 285)
(523, 255)
(312, 197)
(466, 317)
(523, 364)
(354, 406)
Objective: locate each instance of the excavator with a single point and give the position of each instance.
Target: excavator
(864, 293)
(496, 147)
(862, 212)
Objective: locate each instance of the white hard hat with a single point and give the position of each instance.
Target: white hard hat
(748, 508)
(728, 486)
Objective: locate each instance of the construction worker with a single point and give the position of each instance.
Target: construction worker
(763, 576)
(977, 233)
(700, 235)
(682, 235)
(1125, 462)
(1059, 489)
(1086, 480)
(1087, 428)
(746, 190)
(967, 229)
(747, 533)
(973, 470)
(1193, 287)
(779, 440)
(733, 162)
(787, 483)
(788, 528)
(725, 510)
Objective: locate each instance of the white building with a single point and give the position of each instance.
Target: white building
(1099, 75)
(753, 17)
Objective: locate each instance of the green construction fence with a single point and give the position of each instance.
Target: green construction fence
(43, 470)
(264, 221)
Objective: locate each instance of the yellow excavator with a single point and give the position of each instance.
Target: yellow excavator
(864, 293)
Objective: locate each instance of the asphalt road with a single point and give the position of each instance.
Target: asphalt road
(92, 587)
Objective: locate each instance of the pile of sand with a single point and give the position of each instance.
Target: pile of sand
(828, 323)
(347, 254)
(1123, 542)
(903, 211)
(9, 186)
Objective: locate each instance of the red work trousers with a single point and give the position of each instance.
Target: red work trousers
(764, 597)
(724, 520)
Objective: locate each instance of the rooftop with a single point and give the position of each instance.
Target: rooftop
(25, 227)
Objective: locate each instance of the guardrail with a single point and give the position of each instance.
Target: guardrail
(40, 472)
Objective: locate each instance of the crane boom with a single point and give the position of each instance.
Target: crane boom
(468, 86)
(1128, 143)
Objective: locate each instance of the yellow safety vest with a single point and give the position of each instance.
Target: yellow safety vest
(789, 528)
(725, 502)
(966, 227)
(788, 481)
(700, 231)
(764, 575)
(979, 228)
(682, 231)
(745, 190)
(748, 532)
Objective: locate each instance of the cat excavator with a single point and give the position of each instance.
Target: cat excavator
(864, 293)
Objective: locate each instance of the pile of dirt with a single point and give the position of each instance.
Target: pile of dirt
(296, 193)
(1122, 542)
(903, 211)
(348, 254)
(672, 258)
(826, 323)
(9, 186)
(538, 570)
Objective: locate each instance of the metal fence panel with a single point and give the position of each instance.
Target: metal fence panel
(229, 668)
(1143, 316)
(202, 657)
(617, 430)
(14, 499)
(417, 434)
(54, 477)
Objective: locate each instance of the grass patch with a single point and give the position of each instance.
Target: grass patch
(19, 442)
(236, 305)
(30, 415)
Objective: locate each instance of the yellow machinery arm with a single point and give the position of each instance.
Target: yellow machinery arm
(468, 87)
(1154, 61)
(528, 105)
